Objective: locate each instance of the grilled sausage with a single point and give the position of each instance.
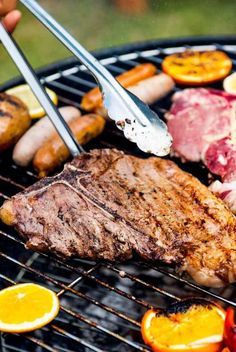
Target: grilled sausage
(37, 135)
(148, 90)
(153, 88)
(93, 98)
(14, 120)
(53, 153)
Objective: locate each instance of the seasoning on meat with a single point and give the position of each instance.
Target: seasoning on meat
(108, 205)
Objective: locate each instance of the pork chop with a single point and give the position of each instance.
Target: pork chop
(198, 117)
(108, 205)
(202, 123)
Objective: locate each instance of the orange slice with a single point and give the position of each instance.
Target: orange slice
(187, 326)
(25, 93)
(197, 68)
(27, 307)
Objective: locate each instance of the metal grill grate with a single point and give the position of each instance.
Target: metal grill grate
(101, 303)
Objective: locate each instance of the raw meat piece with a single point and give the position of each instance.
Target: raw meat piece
(203, 126)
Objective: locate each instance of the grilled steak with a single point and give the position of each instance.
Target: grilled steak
(108, 205)
(203, 126)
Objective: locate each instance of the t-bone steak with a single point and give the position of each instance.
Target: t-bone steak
(109, 205)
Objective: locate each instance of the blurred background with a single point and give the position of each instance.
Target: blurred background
(105, 23)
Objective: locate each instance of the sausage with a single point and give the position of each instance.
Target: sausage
(148, 90)
(93, 98)
(153, 88)
(14, 120)
(37, 135)
(54, 152)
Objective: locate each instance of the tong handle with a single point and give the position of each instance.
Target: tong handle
(103, 77)
(28, 73)
(92, 64)
(144, 127)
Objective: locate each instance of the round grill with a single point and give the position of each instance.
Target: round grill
(101, 303)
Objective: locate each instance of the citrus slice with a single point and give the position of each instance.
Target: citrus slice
(25, 93)
(229, 83)
(187, 326)
(27, 307)
(197, 68)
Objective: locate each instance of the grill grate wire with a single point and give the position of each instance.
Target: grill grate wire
(101, 303)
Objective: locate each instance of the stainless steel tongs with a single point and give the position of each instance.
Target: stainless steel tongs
(138, 122)
(28, 73)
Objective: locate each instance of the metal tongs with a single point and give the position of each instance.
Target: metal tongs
(138, 122)
(28, 73)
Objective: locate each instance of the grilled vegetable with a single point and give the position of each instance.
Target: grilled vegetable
(14, 120)
(189, 325)
(230, 330)
(197, 68)
(93, 98)
(37, 135)
(54, 152)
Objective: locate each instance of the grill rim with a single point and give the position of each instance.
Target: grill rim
(126, 48)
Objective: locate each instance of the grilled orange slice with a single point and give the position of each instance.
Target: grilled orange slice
(187, 326)
(26, 307)
(197, 68)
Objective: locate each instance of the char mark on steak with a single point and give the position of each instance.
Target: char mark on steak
(108, 205)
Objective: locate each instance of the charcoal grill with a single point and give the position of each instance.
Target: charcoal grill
(101, 303)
